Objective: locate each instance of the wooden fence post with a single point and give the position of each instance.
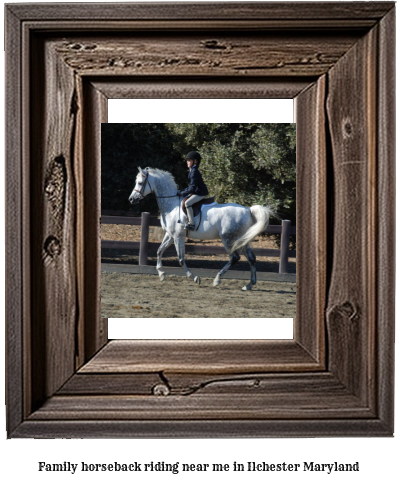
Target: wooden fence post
(284, 245)
(145, 230)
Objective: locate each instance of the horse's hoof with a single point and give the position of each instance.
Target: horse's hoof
(197, 280)
(248, 287)
(216, 282)
(162, 276)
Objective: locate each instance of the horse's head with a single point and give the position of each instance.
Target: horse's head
(142, 187)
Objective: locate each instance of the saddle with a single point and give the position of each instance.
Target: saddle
(197, 206)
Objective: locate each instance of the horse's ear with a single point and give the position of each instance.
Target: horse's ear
(140, 170)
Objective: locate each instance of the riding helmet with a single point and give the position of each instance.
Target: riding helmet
(194, 155)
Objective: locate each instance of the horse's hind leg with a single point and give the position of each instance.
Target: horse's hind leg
(252, 260)
(234, 258)
(179, 244)
(167, 240)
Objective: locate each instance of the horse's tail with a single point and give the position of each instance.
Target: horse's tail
(261, 215)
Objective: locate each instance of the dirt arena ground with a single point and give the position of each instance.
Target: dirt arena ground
(125, 295)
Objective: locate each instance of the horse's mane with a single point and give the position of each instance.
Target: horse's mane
(167, 177)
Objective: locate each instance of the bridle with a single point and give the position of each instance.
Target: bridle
(144, 184)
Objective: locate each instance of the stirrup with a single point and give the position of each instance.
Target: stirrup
(189, 226)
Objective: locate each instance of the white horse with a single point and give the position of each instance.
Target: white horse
(234, 224)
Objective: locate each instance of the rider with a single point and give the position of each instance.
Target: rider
(196, 189)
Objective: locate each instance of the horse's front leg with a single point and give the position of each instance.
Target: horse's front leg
(167, 240)
(179, 244)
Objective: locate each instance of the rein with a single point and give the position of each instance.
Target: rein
(172, 196)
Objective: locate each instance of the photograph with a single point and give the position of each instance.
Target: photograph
(190, 207)
(197, 223)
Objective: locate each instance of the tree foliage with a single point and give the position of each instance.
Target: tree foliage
(244, 163)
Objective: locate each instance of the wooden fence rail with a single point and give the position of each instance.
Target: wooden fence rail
(144, 246)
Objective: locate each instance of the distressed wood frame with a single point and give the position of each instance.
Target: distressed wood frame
(64, 378)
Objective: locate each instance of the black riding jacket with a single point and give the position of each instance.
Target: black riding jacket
(196, 184)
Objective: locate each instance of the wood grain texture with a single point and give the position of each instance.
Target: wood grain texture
(14, 237)
(203, 407)
(343, 81)
(385, 267)
(255, 397)
(113, 384)
(94, 330)
(311, 217)
(243, 55)
(351, 305)
(184, 384)
(190, 428)
(200, 356)
(144, 87)
(278, 11)
(53, 214)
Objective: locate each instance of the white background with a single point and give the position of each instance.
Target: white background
(377, 456)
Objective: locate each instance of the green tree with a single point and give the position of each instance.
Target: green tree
(274, 150)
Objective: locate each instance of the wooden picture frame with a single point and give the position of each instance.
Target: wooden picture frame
(64, 378)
